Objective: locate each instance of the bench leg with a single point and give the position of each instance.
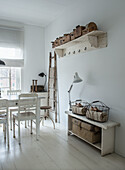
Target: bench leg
(107, 141)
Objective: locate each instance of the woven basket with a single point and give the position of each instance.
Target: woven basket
(98, 112)
(80, 110)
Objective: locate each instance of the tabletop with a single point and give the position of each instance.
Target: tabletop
(16, 97)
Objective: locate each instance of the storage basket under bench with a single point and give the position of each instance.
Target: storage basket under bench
(86, 131)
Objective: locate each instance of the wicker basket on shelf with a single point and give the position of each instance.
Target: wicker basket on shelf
(98, 112)
(79, 107)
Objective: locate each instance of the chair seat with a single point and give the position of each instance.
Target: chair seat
(3, 115)
(45, 107)
(25, 115)
(14, 108)
(3, 118)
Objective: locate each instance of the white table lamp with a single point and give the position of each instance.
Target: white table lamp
(76, 79)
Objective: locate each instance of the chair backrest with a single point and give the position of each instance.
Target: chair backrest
(27, 102)
(13, 92)
(4, 107)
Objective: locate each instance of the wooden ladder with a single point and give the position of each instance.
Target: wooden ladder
(52, 84)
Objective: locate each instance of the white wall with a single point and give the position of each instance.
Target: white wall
(102, 70)
(34, 48)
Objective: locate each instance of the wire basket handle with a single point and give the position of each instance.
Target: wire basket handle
(97, 101)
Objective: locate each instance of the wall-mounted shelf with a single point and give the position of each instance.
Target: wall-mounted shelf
(93, 40)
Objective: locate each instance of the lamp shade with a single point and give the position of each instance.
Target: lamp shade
(2, 63)
(77, 79)
(42, 74)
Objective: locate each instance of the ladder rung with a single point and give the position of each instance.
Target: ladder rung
(52, 99)
(53, 78)
(52, 89)
(52, 110)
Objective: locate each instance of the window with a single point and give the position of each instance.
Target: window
(10, 53)
(10, 79)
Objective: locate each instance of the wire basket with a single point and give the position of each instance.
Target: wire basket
(98, 111)
(79, 107)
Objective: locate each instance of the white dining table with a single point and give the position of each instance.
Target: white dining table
(13, 102)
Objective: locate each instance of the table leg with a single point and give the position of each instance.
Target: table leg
(38, 119)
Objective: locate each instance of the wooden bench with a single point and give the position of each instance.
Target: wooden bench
(107, 143)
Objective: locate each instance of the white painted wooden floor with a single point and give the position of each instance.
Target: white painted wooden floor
(54, 150)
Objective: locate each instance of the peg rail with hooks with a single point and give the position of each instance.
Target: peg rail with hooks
(91, 41)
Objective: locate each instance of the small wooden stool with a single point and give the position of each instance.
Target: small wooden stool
(46, 114)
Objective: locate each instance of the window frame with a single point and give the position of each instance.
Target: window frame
(9, 77)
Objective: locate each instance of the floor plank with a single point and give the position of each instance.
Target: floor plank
(54, 151)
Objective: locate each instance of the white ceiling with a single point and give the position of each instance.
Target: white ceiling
(34, 12)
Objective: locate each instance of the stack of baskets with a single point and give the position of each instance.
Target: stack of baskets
(76, 33)
(96, 110)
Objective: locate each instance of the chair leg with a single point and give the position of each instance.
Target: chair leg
(7, 133)
(44, 117)
(10, 120)
(37, 130)
(50, 118)
(3, 127)
(28, 123)
(19, 132)
(25, 124)
(52, 121)
(31, 128)
(5, 130)
(13, 127)
(43, 121)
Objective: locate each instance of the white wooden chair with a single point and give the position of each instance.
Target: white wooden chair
(27, 110)
(13, 92)
(13, 109)
(4, 117)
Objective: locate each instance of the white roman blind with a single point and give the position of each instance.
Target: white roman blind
(11, 46)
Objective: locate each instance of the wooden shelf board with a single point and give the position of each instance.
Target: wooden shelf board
(96, 145)
(80, 39)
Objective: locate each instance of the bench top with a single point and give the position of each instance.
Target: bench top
(105, 125)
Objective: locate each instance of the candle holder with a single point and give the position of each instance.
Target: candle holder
(32, 89)
(35, 85)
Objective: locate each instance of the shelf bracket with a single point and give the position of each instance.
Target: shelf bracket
(59, 52)
(93, 40)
